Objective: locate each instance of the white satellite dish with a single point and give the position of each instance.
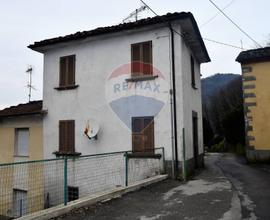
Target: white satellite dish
(91, 129)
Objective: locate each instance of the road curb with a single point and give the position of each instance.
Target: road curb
(98, 197)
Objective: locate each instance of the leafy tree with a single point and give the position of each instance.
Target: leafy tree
(224, 113)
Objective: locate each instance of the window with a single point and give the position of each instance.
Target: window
(141, 59)
(67, 71)
(67, 136)
(193, 79)
(19, 202)
(73, 193)
(143, 134)
(21, 142)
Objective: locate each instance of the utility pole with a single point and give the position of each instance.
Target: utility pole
(29, 84)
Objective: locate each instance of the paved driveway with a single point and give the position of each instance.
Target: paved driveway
(208, 196)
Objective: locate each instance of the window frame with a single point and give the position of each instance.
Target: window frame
(16, 193)
(192, 72)
(142, 65)
(64, 81)
(69, 145)
(17, 151)
(144, 148)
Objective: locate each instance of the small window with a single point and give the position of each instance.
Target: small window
(143, 134)
(141, 59)
(67, 71)
(193, 79)
(67, 136)
(73, 193)
(21, 142)
(19, 203)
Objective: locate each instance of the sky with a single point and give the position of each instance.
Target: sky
(23, 22)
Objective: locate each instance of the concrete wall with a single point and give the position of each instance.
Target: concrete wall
(27, 177)
(256, 78)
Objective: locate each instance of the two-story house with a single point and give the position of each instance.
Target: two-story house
(256, 93)
(21, 141)
(138, 81)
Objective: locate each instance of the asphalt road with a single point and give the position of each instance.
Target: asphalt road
(252, 183)
(227, 189)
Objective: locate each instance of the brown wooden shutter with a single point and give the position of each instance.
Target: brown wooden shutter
(67, 71)
(147, 58)
(148, 133)
(63, 69)
(71, 70)
(135, 60)
(143, 134)
(137, 137)
(71, 136)
(62, 136)
(67, 136)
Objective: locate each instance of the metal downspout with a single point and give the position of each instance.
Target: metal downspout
(174, 118)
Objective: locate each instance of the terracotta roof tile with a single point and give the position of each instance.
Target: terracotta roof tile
(125, 26)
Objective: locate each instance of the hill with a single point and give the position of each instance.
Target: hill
(212, 84)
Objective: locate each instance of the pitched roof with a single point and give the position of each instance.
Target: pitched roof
(255, 55)
(30, 108)
(190, 28)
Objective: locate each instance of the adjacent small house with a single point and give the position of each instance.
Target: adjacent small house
(21, 140)
(135, 85)
(256, 78)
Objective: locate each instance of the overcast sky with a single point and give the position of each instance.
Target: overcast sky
(23, 22)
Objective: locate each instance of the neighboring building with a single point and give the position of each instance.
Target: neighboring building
(20, 140)
(124, 78)
(256, 78)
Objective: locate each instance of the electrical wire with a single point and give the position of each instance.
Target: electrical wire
(224, 44)
(207, 39)
(213, 17)
(235, 24)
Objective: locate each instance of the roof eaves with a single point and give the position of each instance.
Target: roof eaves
(41, 112)
(254, 55)
(39, 46)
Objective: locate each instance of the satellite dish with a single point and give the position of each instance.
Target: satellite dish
(91, 129)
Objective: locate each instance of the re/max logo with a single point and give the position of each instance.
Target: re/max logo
(146, 85)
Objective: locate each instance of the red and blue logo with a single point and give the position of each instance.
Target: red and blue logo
(136, 98)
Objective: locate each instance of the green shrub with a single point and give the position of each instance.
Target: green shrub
(219, 147)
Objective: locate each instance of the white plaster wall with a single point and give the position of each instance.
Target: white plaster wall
(95, 60)
(192, 101)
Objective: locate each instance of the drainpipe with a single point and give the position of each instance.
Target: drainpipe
(173, 95)
(172, 136)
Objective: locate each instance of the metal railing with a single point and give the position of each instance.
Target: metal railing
(30, 186)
